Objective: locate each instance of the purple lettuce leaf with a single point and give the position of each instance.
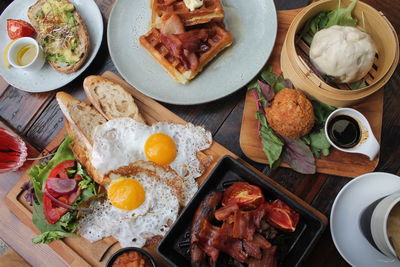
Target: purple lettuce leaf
(298, 155)
(30, 192)
(266, 91)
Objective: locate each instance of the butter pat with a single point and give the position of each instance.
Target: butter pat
(193, 4)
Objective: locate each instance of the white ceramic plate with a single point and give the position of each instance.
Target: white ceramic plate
(47, 78)
(349, 207)
(252, 23)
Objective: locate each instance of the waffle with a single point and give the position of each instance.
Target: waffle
(211, 10)
(151, 42)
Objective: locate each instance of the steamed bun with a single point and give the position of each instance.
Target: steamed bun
(343, 52)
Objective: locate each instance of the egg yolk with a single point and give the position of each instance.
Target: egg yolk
(126, 194)
(160, 148)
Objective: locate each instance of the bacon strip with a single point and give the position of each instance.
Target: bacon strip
(203, 214)
(184, 45)
(223, 213)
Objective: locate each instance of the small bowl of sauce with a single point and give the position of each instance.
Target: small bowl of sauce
(348, 130)
(131, 256)
(25, 53)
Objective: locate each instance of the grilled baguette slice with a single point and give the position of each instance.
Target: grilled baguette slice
(111, 99)
(82, 154)
(81, 116)
(37, 18)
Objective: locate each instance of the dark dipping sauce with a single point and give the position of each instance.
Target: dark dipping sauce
(344, 131)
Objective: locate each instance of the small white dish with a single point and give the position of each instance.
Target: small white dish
(379, 224)
(368, 145)
(37, 61)
(350, 218)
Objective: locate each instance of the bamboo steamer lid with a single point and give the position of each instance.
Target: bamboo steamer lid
(295, 68)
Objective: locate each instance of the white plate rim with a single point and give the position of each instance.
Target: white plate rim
(361, 178)
(94, 47)
(183, 101)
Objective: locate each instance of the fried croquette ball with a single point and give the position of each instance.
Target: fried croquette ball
(291, 114)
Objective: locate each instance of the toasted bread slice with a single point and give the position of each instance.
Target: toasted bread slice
(152, 43)
(57, 32)
(210, 11)
(111, 99)
(80, 115)
(82, 155)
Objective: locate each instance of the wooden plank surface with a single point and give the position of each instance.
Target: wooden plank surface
(79, 251)
(338, 162)
(319, 190)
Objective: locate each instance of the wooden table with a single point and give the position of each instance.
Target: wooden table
(37, 118)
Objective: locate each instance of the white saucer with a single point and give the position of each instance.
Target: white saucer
(350, 204)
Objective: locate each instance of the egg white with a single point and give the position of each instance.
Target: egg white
(132, 227)
(121, 141)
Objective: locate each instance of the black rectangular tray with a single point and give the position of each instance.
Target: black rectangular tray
(292, 247)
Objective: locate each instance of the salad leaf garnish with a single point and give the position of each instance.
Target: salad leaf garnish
(50, 236)
(67, 224)
(271, 144)
(299, 156)
(342, 16)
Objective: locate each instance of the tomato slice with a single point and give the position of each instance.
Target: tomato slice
(18, 28)
(61, 170)
(52, 211)
(243, 194)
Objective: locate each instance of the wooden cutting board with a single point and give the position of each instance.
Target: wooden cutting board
(80, 252)
(337, 163)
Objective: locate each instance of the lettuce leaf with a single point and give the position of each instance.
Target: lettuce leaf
(273, 80)
(50, 236)
(271, 144)
(299, 156)
(67, 223)
(324, 19)
(342, 16)
(318, 143)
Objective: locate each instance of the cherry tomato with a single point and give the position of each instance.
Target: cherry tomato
(245, 195)
(18, 28)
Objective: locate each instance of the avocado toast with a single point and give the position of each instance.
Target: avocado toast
(61, 33)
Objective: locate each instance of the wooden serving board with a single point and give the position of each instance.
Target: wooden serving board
(79, 251)
(337, 163)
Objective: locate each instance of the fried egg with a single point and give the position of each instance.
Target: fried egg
(138, 207)
(122, 141)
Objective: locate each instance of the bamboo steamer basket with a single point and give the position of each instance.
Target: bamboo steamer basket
(295, 68)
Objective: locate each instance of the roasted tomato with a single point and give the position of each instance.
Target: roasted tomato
(281, 216)
(245, 195)
(18, 28)
(52, 211)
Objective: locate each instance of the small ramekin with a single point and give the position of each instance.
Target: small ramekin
(38, 60)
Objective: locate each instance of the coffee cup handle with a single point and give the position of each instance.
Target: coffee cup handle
(371, 148)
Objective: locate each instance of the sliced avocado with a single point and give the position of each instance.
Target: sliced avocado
(74, 44)
(71, 18)
(46, 8)
(69, 56)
